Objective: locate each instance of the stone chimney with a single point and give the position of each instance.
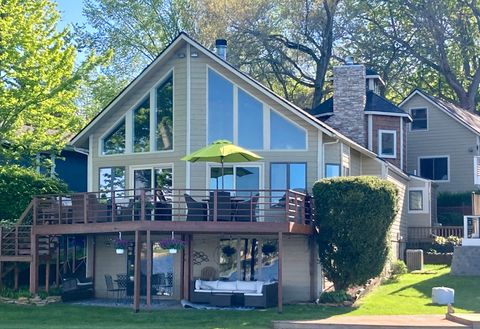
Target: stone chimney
(349, 97)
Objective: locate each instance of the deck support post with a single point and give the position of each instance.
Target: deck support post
(186, 267)
(34, 263)
(313, 268)
(1, 274)
(182, 268)
(149, 269)
(280, 270)
(57, 264)
(16, 274)
(47, 274)
(94, 256)
(136, 276)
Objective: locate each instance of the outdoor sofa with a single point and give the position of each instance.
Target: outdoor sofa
(252, 293)
(75, 289)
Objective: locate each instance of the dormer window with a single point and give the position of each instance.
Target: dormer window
(419, 117)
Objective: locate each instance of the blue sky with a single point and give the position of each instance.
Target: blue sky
(71, 12)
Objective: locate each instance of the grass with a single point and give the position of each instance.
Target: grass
(410, 294)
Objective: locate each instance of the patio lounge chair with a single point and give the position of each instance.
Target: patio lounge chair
(196, 211)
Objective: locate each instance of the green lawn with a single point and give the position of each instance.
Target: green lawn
(410, 295)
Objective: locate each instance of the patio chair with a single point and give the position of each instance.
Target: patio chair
(112, 289)
(246, 210)
(196, 211)
(78, 208)
(224, 206)
(98, 212)
(163, 209)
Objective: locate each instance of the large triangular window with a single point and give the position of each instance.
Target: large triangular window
(114, 142)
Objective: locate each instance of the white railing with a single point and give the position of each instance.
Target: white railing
(471, 231)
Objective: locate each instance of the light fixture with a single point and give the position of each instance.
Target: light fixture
(181, 55)
(194, 54)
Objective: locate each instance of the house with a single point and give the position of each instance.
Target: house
(358, 111)
(141, 191)
(443, 142)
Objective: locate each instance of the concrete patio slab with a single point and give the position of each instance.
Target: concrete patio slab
(373, 322)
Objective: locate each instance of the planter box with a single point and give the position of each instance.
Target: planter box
(438, 258)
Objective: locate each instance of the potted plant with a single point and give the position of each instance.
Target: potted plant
(268, 248)
(120, 245)
(172, 245)
(229, 251)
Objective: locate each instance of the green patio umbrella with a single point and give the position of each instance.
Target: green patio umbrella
(222, 151)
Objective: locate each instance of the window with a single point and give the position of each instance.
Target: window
(114, 142)
(434, 168)
(235, 177)
(285, 176)
(284, 135)
(415, 200)
(112, 179)
(332, 170)
(141, 127)
(220, 108)
(387, 143)
(164, 115)
(250, 121)
(419, 117)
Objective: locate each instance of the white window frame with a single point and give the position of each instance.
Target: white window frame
(260, 165)
(380, 146)
(424, 209)
(108, 132)
(152, 167)
(427, 116)
(435, 157)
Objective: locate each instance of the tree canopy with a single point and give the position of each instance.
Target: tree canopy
(39, 80)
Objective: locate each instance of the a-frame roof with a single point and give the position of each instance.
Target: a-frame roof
(183, 37)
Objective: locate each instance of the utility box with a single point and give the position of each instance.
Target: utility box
(414, 259)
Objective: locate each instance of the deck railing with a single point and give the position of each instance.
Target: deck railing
(173, 205)
(426, 234)
(15, 238)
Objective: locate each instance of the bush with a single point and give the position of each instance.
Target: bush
(443, 245)
(335, 297)
(354, 216)
(398, 268)
(451, 199)
(17, 187)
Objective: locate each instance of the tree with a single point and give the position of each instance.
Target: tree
(442, 36)
(353, 216)
(38, 79)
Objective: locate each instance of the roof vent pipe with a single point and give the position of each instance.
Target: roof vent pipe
(221, 48)
(349, 60)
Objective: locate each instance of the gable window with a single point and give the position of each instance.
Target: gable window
(141, 127)
(387, 143)
(164, 115)
(250, 121)
(114, 142)
(287, 176)
(434, 168)
(220, 108)
(419, 117)
(284, 135)
(332, 170)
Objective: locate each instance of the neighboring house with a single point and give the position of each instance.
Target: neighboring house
(185, 99)
(443, 142)
(357, 110)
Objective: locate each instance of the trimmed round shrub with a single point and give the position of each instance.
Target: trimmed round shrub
(354, 216)
(398, 268)
(19, 185)
(335, 297)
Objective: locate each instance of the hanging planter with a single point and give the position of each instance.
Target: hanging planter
(229, 251)
(120, 244)
(268, 249)
(172, 244)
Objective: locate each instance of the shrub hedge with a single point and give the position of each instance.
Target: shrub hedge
(354, 216)
(17, 187)
(454, 199)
